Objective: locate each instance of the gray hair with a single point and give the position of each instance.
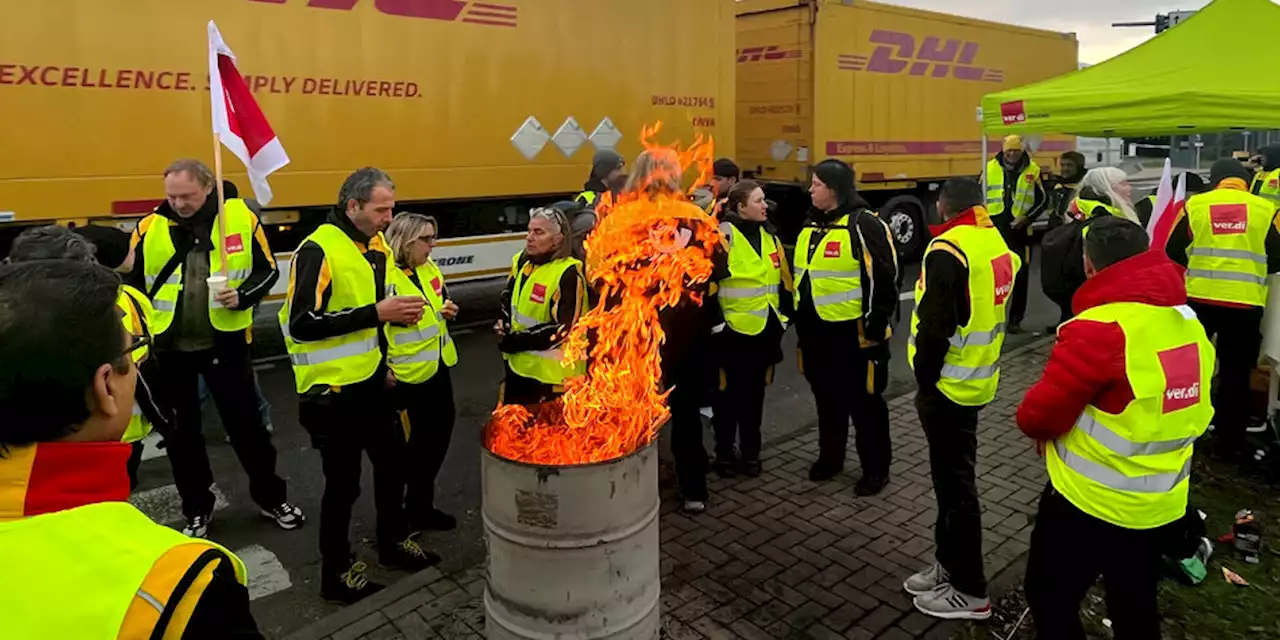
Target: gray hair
(1102, 181)
(404, 229)
(51, 243)
(359, 186)
(194, 168)
(557, 217)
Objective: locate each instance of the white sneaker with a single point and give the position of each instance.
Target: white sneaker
(694, 506)
(286, 516)
(947, 603)
(926, 580)
(197, 527)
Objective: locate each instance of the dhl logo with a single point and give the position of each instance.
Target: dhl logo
(939, 58)
(773, 52)
(494, 15)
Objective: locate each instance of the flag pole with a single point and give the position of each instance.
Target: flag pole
(222, 218)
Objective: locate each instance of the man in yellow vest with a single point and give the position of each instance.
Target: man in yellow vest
(1266, 181)
(1229, 243)
(711, 198)
(608, 176)
(79, 560)
(339, 299)
(544, 297)
(204, 332)
(1015, 198)
(957, 331)
(1123, 398)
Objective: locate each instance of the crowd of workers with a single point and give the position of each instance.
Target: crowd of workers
(365, 322)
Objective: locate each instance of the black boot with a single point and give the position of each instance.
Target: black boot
(349, 586)
(870, 484)
(407, 555)
(824, 470)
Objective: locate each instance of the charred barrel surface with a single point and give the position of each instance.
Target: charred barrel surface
(573, 550)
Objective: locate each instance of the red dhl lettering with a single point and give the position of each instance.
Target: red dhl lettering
(497, 15)
(1183, 393)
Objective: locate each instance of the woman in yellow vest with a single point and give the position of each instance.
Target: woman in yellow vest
(1123, 398)
(419, 357)
(1105, 191)
(846, 297)
(79, 560)
(543, 299)
(754, 299)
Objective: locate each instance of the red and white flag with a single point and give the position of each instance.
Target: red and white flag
(238, 121)
(1165, 211)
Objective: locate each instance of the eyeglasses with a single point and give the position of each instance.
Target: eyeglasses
(139, 342)
(429, 238)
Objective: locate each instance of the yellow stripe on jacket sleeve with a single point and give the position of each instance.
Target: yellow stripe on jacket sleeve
(15, 472)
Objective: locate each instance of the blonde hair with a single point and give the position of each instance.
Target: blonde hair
(403, 230)
(656, 171)
(1102, 181)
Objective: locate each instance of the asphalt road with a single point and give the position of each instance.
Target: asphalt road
(284, 566)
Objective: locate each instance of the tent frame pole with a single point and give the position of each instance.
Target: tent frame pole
(982, 164)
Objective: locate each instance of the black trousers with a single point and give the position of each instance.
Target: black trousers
(427, 411)
(952, 431)
(848, 385)
(1019, 243)
(693, 376)
(1239, 333)
(227, 372)
(739, 410)
(343, 425)
(1070, 549)
(517, 389)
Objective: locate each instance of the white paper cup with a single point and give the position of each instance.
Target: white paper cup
(216, 284)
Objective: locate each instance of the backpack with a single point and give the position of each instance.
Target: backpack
(1062, 260)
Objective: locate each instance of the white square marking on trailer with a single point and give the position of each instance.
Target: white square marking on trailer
(569, 137)
(530, 138)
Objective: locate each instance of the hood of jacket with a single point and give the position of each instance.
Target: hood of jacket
(1147, 278)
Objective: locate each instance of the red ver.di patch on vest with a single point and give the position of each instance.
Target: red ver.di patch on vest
(832, 250)
(235, 244)
(776, 263)
(435, 284)
(539, 293)
(1181, 377)
(1002, 269)
(1229, 219)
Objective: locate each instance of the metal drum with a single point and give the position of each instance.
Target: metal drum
(573, 550)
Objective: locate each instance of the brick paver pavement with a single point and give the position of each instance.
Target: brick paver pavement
(779, 556)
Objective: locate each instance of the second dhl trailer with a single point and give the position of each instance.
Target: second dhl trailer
(892, 91)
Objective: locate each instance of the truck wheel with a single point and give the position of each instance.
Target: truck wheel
(905, 217)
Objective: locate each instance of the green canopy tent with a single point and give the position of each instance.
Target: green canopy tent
(1197, 77)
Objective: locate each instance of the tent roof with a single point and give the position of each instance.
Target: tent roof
(1193, 78)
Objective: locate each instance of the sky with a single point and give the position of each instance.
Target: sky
(1089, 19)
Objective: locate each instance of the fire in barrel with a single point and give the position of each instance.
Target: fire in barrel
(570, 487)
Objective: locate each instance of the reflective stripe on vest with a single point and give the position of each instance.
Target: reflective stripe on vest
(1227, 259)
(532, 296)
(349, 358)
(751, 289)
(158, 249)
(971, 371)
(414, 353)
(1130, 469)
(834, 273)
(1024, 195)
(1267, 185)
(115, 548)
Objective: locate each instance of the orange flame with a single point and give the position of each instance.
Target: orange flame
(647, 251)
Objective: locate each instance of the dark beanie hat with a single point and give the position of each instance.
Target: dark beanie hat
(605, 161)
(111, 245)
(839, 177)
(726, 168)
(1227, 168)
(229, 190)
(1195, 184)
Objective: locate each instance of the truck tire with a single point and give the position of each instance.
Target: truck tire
(905, 217)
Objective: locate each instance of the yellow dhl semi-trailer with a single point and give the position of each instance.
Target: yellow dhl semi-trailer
(893, 91)
(482, 109)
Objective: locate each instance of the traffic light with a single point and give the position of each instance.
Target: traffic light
(1162, 22)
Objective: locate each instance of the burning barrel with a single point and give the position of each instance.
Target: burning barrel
(573, 550)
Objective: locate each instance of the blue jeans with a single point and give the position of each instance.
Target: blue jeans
(264, 407)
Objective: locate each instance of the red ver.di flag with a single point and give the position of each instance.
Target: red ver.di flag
(238, 121)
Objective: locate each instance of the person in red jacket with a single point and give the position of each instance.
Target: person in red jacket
(1118, 459)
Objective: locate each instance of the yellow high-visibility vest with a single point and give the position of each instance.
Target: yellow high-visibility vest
(158, 249)
(751, 290)
(1086, 208)
(106, 552)
(971, 368)
(1227, 258)
(835, 274)
(1024, 196)
(137, 312)
(1131, 469)
(1267, 185)
(349, 358)
(531, 299)
(414, 353)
